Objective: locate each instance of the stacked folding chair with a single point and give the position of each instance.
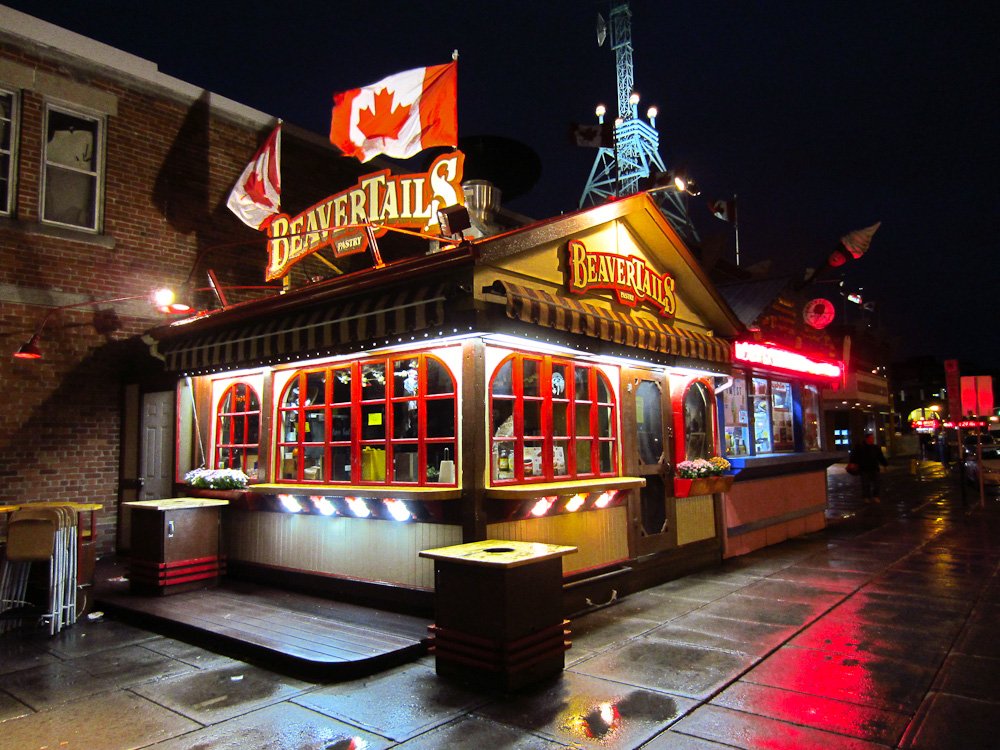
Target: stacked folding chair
(37, 536)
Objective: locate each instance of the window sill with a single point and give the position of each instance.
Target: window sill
(776, 464)
(526, 491)
(37, 229)
(382, 491)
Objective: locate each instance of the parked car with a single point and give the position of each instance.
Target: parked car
(969, 443)
(990, 465)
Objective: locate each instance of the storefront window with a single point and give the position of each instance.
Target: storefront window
(563, 429)
(782, 415)
(810, 417)
(761, 416)
(737, 417)
(390, 420)
(237, 434)
(697, 422)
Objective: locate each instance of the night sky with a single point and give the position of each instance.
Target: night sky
(824, 117)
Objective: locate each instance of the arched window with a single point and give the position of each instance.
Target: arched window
(551, 420)
(698, 435)
(390, 420)
(237, 429)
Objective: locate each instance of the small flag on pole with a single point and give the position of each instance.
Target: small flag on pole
(593, 136)
(858, 241)
(725, 210)
(256, 196)
(399, 116)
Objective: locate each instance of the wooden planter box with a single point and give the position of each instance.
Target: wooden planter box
(701, 486)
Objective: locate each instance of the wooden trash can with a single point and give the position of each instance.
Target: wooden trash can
(498, 612)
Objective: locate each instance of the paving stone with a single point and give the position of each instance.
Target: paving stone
(478, 733)
(599, 630)
(953, 722)
(676, 668)
(743, 730)
(188, 653)
(11, 708)
(279, 727)
(589, 712)
(398, 704)
(757, 609)
(863, 722)
(86, 637)
(210, 696)
(970, 677)
(19, 652)
(54, 683)
(118, 720)
(842, 633)
(702, 629)
(875, 681)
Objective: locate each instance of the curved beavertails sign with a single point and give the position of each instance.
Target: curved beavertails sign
(378, 201)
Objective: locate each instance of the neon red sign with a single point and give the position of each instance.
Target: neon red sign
(783, 359)
(966, 424)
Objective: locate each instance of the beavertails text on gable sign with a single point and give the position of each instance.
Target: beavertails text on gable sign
(631, 278)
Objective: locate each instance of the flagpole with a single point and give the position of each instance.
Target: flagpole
(736, 228)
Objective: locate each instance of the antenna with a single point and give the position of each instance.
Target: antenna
(620, 169)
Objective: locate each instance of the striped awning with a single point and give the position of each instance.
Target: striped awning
(318, 331)
(575, 316)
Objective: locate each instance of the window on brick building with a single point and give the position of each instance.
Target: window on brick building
(8, 121)
(237, 434)
(73, 178)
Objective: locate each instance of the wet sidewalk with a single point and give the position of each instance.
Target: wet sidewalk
(877, 632)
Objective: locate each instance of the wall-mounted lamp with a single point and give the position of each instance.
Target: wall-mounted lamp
(163, 300)
(676, 179)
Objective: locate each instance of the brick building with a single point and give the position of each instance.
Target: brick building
(113, 182)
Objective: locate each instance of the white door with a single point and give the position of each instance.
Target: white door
(157, 447)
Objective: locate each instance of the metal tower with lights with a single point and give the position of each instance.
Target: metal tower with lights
(621, 169)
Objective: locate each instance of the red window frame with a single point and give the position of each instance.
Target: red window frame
(567, 415)
(388, 436)
(238, 419)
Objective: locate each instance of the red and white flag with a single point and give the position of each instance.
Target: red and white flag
(399, 116)
(256, 196)
(725, 210)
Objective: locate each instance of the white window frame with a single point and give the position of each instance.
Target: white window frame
(7, 207)
(97, 173)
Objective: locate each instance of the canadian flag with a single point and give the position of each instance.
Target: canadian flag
(400, 115)
(256, 196)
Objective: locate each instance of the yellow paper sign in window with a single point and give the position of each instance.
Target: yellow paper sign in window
(374, 418)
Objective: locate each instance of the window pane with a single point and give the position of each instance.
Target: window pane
(582, 378)
(373, 422)
(404, 420)
(584, 463)
(560, 418)
(313, 470)
(649, 422)
(315, 388)
(761, 416)
(560, 454)
(583, 419)
(290, 426)
(70, 197)
(737, 418)
(441, 418)
(441, 463)
(342, 385)
(603, 389)
(697, 426)
(781, 415)
(529, 378)
(292, 394)
(405, 465)
(503, 418)
(533, 466)
(341, 424)
(559, 381)
(532, 417)
(810, 417)
(372, 381)
(340, 464)
(604, 426)
(405, 381)
(607, 457)
(71, 169)
(503, 380)
(439, 379)
(315, 426)
(71, 141)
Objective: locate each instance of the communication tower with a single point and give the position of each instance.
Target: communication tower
(633, 161)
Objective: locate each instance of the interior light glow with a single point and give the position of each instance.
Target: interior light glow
(290, 503)
(543, 506)
(358, 507)
(575, 503)
(323, 505)
(783, 359)
(604, 499)
(398, 510)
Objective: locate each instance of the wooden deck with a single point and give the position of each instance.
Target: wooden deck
(303, 636)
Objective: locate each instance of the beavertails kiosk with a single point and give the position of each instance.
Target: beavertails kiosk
(539, 385)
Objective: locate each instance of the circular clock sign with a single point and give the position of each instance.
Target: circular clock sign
(818, 313)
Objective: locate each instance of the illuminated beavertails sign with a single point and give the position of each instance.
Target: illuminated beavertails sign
(380, 200)
(631, 279)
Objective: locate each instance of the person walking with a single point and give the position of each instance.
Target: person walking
(868, 457)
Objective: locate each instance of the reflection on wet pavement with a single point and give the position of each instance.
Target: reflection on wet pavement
(880, 631)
